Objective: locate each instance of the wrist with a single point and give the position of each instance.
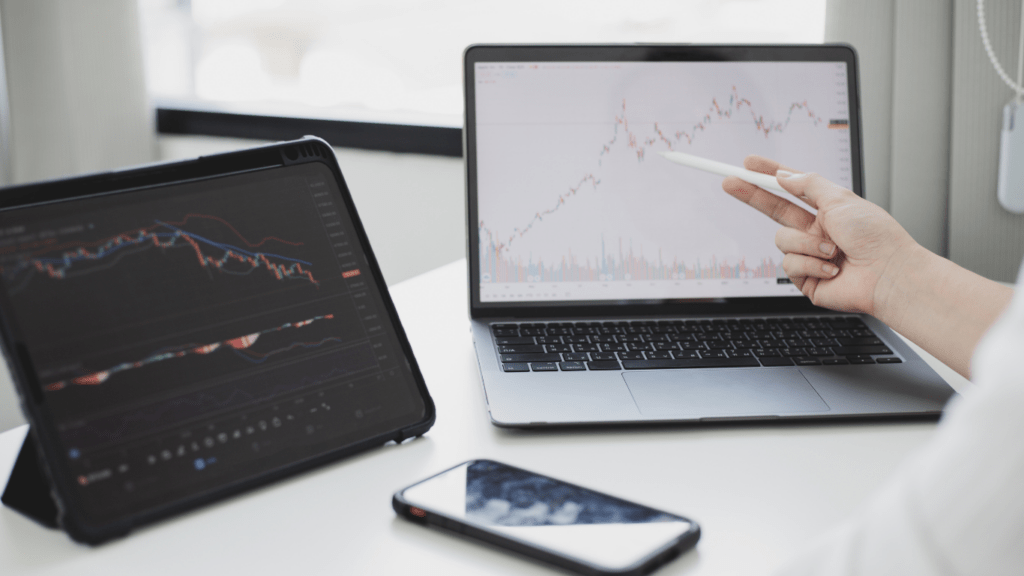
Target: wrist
(901, 283)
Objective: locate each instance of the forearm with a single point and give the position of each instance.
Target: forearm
(938, 305)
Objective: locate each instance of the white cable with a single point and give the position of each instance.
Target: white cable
(1015, 86)
(1020, 54)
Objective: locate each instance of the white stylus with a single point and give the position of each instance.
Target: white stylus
(722, 169)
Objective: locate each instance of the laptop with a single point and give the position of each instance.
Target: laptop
(610, 286)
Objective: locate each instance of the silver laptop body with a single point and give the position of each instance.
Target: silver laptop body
(610, 286)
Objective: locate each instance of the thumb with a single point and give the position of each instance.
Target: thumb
(807, 185)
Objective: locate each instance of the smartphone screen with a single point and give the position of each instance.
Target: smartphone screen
(537, 512)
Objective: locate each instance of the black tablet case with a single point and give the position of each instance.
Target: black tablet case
(29, 490)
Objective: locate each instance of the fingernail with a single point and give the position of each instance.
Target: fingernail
(788, 174)
(830, 269)
(827, 248)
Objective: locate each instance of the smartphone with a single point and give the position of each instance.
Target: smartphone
(550, 520)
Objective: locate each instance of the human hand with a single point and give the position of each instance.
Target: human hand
(839, 258)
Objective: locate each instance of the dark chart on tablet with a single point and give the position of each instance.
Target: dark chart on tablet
(198, 334)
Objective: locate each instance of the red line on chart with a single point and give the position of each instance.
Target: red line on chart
(239, 343)
(640, 144)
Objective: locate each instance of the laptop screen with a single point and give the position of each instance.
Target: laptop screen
(575, 205)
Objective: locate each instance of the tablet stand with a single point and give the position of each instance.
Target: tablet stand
(28, 489)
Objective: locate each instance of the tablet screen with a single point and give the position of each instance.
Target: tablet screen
(192, 336)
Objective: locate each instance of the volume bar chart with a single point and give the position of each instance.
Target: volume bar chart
(625, 265)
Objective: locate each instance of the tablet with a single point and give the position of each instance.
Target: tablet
(182, 332)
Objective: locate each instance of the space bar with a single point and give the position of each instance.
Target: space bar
(689, 363)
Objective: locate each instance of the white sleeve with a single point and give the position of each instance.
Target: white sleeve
(957, 506)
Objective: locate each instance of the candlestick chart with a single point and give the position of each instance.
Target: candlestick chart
(71, 260)
(597, 206)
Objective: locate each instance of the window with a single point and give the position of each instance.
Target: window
(398, 61)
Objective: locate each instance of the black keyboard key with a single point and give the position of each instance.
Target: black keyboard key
(513, 340)
(603, 355)
(806, 361)
(572, 366)
(765, 353)
(544, 367)
(688, 363)
(860, 342)
(685, 354)
(666, 346)
(834, 361)
(506, 332)
(522, 349)
(604, 365)
(820, 352)
(576, 339)
(860, 350)
(559, 348)
(586, 348)
(530, 357)
(861, 361)
(549, 340)
(504, 326)
(619, 347)
(792, 352)
(888, 360)
(575, 357)
(532, 332)
(718, 345)
(741, 353)
(713, 354)
(660, 355)
(634, 346)
(516, 367)
(631, 355)
(773, 361)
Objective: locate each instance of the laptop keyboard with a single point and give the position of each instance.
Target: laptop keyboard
(718, 343)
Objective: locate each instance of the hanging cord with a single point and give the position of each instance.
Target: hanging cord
(1017, 86)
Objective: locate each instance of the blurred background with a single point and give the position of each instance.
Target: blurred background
(94, 85)
(399, 60)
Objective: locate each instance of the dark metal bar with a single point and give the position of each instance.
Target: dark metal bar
(436, 140)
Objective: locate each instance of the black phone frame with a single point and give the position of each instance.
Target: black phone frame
(40, 484)
(427, 517)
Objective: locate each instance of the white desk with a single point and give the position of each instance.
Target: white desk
(759, 491)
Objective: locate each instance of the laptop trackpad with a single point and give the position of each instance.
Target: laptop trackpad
(722, 392)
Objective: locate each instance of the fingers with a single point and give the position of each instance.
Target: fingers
(809, 187)
(800, 266)
(764, 165)
(790, 240)
(779, 209)
(812, 188)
